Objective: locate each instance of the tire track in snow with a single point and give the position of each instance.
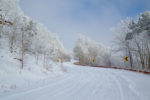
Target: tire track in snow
(36, 90)
(124, 87)
(76, 83)
(131, 85)
(121, 92)
(84, 89)
(102, 88)
(60, 91)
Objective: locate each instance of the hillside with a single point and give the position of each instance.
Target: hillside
(28, 50)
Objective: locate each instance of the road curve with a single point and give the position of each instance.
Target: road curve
(88, 83)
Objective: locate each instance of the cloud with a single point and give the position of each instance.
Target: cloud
(92, 18)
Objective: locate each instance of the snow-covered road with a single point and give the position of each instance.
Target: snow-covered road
(87, 83)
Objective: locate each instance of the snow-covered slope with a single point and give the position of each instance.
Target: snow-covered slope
(28, 50)
(27, 34)
(87, 83)
(13, 77)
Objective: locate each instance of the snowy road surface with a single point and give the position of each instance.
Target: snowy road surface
(87, 83)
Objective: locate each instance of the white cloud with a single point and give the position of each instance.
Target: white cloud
(93, 18)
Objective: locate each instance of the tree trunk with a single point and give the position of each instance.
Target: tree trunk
(130, 55)
(141, 56)
(149, 62)
(22, 54)
(12, 44)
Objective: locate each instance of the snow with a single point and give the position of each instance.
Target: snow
(86, 83)
(13, 77)
(38, 46)
(42, 78)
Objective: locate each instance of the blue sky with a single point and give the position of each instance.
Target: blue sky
(92, 18)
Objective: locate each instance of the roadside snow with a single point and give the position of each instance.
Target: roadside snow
(13, 77)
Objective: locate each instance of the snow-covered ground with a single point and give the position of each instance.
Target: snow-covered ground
(13, 77)
(86, 83)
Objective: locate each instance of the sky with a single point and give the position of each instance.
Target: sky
(92, 18)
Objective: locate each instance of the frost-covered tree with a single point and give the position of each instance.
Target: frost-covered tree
(120, 33)
(27, 36)
(136, 40)
(89, 52)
